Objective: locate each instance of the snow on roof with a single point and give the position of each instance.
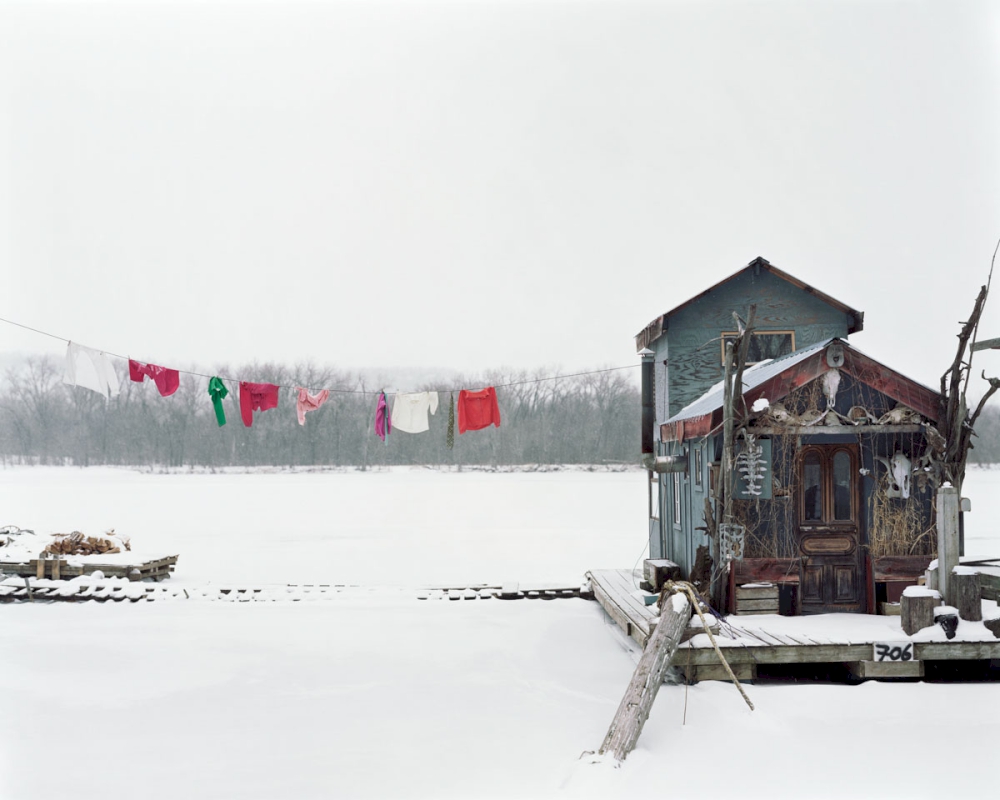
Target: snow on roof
(752, 378)
(917, 396)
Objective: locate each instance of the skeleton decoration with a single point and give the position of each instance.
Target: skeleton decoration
(750, 464)
(900, 415)
(731, 538)
(859, 415)
(831, 382)
(899, 469)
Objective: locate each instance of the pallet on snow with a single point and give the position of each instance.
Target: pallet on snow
(59, 569)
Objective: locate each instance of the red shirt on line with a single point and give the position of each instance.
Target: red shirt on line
(477, 410)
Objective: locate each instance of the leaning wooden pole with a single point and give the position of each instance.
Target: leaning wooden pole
(633, 711)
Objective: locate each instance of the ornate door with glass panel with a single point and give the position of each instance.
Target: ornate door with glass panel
(828, 536)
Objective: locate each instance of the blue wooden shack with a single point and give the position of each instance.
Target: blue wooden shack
(832, 501)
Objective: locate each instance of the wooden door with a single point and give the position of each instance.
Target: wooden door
(828, 530)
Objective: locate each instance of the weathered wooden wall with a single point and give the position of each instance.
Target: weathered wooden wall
(695, 356)
(679, 542)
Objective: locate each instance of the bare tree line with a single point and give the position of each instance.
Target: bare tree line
(590, 418)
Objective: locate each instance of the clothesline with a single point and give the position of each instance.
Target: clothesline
(340, 391)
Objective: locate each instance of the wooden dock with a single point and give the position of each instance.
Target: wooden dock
(508, 591)
(28, 588)
(60, 569)
(751, 641)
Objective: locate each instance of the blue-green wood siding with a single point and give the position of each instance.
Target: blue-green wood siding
(679, 542)
(693, 332)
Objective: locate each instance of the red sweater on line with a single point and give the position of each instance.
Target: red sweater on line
(477, 410)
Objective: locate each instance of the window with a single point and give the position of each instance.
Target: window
(654, 497)
(764, 345)
(698, 468)
(677, 498)
(828, 490)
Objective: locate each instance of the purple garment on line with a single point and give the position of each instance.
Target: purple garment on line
(383, 420)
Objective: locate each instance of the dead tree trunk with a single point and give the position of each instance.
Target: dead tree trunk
(646, 681)
(732, 404)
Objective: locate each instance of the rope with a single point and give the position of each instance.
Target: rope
(691, 593)
(340, 391)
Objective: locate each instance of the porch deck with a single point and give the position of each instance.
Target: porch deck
(749, 641)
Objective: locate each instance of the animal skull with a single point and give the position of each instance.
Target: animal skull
(899, 469)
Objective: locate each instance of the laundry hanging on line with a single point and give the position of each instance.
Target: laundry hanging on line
(383, 419)
(217, 391)
(91, 369)
(410, 411)
(256, 397)
(309, 402)
(449, 437)
(477, 410)
(167, 380)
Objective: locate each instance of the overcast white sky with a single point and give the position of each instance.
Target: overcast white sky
(469, 185)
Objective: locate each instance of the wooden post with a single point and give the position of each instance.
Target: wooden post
(964, 593)
(736, 360)
(916, 608)
(633, 710)
(947, 533)
(719, 590)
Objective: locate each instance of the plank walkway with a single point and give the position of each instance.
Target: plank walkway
(118, 590)
(156, 569)
(749, 641)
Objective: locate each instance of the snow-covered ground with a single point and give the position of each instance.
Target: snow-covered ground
(379, 694)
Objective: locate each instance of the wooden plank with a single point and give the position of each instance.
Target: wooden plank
(614, 611)
(986, 344)
(695, 627)
(833, 653)
(618, 614)
(750, 633)
(743, 672)
(809, 430)
(957, 651)
(756, 592)
(886, 669)
(617, 583)
(900, 568)
(784, 654)
(770, 570)
(620, 582)
(766, 605)
(784, 638)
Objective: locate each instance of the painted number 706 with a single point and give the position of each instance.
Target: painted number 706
(894, 652)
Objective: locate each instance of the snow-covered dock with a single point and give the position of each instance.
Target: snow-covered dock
(119, 565)
(857, 640)
(87, 587)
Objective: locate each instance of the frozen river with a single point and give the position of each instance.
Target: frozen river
(378, 694)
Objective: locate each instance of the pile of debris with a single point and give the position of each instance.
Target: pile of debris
(78, 544)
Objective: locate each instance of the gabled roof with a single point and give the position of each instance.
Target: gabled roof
(774, 379)
(654, 330)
